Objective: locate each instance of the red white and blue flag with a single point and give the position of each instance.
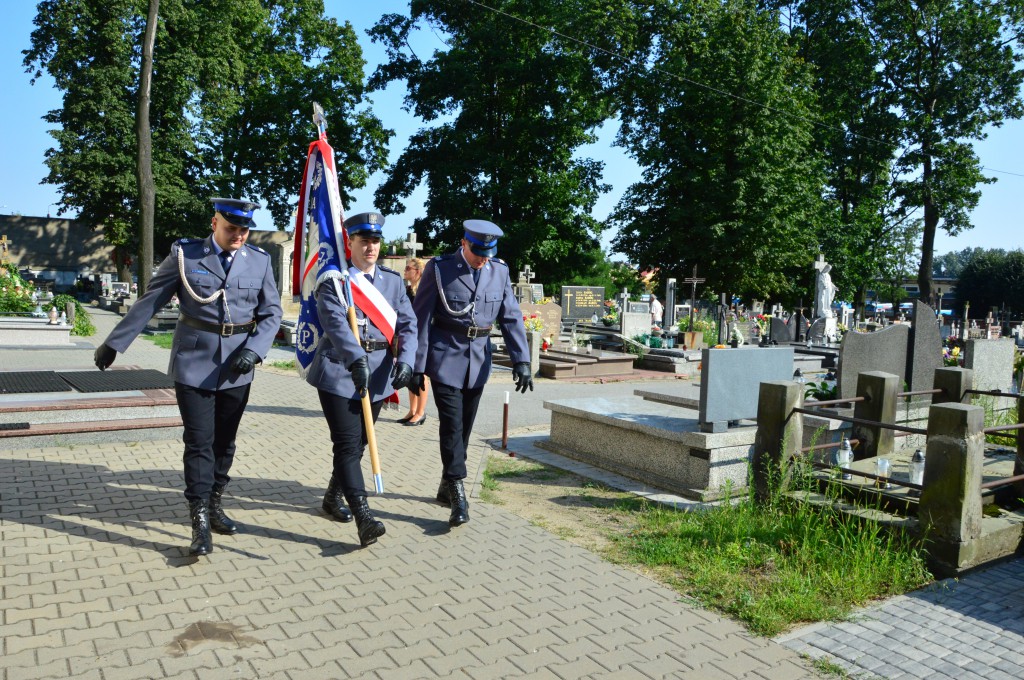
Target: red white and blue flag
(322, 252)
(321, 245)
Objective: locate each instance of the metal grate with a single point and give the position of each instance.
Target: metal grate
(14, 426)
(117, 381)
(28, 382)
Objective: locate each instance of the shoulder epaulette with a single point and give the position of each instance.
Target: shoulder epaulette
(389, 270)
(446, 256)
(256, 248)
(186, 241)
(499, 261)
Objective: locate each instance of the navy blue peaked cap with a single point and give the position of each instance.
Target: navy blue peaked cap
(365, 224)
(483, 237)
(236, 211)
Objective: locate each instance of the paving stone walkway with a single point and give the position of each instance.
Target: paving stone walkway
(95, 581)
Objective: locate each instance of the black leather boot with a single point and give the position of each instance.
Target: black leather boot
(442, 494)
(202, 539)
(334, 504)
(370, 529)
(220, 522)
(460, 504)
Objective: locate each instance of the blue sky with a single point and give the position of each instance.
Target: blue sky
(25, 140)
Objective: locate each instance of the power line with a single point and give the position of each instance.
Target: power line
(710, 88)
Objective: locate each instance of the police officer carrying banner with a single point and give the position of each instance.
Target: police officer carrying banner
(461, 297)
(230, 312)
(346, 366)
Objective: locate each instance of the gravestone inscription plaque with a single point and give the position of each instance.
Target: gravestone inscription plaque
(581, 303)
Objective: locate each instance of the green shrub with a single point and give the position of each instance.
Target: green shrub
(15, 292)
(83, 322)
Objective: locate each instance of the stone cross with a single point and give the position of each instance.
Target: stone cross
(411, 246)
(526, 276)
(4, 243)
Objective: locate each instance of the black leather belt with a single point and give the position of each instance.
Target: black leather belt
(459, 329)
(374, 345)
(223, 329)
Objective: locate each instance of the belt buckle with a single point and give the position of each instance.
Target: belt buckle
(471, 331)
(226, 330)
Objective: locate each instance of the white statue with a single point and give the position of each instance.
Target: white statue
(824, 294)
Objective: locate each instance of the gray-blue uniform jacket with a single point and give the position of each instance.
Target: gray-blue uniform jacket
(338, 348)
(449, 307)
(201, 358)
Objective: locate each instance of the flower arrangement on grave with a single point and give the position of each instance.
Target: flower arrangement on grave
(533, 323)
(952, 354)
(611, 315)
(762, 324)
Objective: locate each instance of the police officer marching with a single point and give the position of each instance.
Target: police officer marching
(461, 297)
(346, 365)
(230, 312)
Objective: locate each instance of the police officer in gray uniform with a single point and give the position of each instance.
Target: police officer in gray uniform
(230, 312)
(461, 297)
(345, 367)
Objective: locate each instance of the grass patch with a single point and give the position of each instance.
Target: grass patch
(999, 411)
(770, 565)
(777, 564)
(283, 364)
(161, 339)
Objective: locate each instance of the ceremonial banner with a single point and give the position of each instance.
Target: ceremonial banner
(322, 252)
(321, 245)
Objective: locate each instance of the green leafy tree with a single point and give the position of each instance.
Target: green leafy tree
(865, 227)
(717, 113)
(992, 280)
(951, 69)
(507, 104)
(261, 71)
(951, 264)
(233, 85)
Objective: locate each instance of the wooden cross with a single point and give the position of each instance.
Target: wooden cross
(411, 246)
(526, 276)
(693, 281)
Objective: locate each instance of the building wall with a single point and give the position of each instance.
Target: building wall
(55, 244)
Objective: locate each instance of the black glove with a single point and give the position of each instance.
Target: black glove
(402, 374)
(418, 384)
(521, 374)
(244, 360)
(104, 356)
(360, 370)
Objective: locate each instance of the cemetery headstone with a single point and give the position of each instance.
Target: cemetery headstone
(992, 363)
(925, 353)
(780, 331)
(638, 307)
(581, 303)
(730, 382)
(883, 350)
(670, 303)
(549, 314)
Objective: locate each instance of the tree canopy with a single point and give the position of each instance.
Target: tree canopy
(233, 86)
(992, 280)
(717, 112)
(507, 104)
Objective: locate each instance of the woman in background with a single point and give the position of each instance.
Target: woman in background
(417, 402)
